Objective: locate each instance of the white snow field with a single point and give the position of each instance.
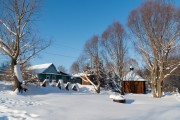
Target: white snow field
(50, 103)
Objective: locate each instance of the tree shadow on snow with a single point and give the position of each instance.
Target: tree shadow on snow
(3, 118)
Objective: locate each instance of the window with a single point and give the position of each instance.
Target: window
(54, 77)
(47, 76)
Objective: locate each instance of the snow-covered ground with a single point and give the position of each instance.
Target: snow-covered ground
(50, 103)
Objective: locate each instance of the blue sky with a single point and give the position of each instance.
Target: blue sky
(69, 23)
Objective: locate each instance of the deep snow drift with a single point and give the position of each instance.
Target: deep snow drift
(50, 103)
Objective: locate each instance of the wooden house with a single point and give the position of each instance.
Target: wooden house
(46, 71)
(49, 71)
(65, 77)
(133, 83)
(76, 80)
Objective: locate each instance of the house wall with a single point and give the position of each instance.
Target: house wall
(77, 80)
(134, 87)
(42, 77)
(65, 79)
(69, 79)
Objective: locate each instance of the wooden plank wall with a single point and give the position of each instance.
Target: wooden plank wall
(134, 87)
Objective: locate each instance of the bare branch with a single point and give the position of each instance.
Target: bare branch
(171, 71)
(4, 24)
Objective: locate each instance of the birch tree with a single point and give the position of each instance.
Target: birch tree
(96, 87)
(17, 39)
(75, 68)
(114, 50)
(156, 26)
(92, 49)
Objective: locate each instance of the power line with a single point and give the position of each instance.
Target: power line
(60, 55)
(66, 46)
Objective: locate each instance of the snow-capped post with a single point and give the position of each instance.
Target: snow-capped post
(58, 84)
(68, 86)
(75, 87)
(44, 83)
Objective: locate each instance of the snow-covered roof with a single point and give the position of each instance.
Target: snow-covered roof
(133, 76)
(40, 68)
(80, 74)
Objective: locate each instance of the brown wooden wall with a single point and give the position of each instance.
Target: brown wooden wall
(85, 81)
(134, 87)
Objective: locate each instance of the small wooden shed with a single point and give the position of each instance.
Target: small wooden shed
(133, 83)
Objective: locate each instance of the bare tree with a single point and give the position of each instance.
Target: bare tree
(92, 49)
(156, 26)
(172, 82)
(114, 50)
(75, 68)
(17, 39)
(79, 64)
(131, 62)
(62, 69)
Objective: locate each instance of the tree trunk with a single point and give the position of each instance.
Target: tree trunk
(159, 89)
(17, 83)
(153, 89)
(156, 89)
(98, 87)
(122, 87)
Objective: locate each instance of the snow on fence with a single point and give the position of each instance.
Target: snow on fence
(45, 83)
(68, 86)
(75, 87)
(60, 84)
